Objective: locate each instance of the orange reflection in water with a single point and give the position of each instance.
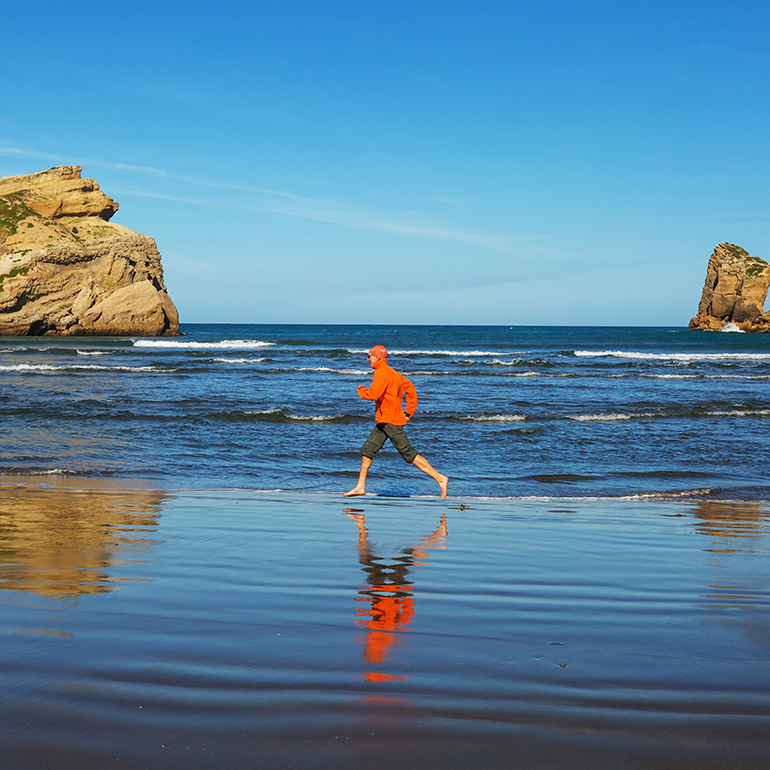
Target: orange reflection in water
(387, 601)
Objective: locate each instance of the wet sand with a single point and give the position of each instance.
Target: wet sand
(176, 629)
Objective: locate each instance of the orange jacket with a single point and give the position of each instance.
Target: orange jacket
(387, 391)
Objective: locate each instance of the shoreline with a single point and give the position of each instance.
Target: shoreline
(66, 481)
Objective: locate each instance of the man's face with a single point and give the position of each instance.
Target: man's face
(371, 359)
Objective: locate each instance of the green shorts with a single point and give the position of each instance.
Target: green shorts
(397, 436)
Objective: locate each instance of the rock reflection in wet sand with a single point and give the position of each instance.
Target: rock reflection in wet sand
(65, 542)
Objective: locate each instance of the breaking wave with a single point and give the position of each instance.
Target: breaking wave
(705, 376)
(79, 367)
(633, 355)
(185, 345)
(237, 360)
(495, 418)
(739, 412)
(614, 417)
(361, 372)
(457, 353)
(283, 415)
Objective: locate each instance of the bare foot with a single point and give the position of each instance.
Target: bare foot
(355, 492)
(443, 482)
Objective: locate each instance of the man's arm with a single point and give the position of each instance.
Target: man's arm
(411, 398)
(376, 390)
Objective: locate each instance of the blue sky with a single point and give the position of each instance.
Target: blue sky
(409, 162)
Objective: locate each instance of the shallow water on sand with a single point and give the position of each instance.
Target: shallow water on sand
(207, 629)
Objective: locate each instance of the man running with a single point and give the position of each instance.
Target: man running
(387, 391)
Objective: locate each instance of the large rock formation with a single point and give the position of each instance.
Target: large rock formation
(734, 292)
(66, 269)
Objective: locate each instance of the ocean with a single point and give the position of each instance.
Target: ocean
(530, 412)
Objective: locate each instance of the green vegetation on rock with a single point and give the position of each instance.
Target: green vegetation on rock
(14, 272)
(735, 251)
(98, 231)
(12, 211)
(753, 266)
(756, 268)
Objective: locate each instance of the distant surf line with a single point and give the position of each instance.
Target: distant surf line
(356, 351)
(78, 368)
(191, 345)
(635, 355)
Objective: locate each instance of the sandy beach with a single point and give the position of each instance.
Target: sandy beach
(151, 628)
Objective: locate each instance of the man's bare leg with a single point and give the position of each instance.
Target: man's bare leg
(360, 488)
(443, 481)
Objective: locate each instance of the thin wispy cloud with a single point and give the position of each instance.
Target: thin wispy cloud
(452, 201)
(63, 159)
(354, 218)
(735, 53)
(293, 205)
(134, 193)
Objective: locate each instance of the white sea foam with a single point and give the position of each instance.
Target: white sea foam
(425, 373)
(455, 353)
(237, 360)
(362, 372)
(706, 376)
(191, 345)
(700, 493)
(633, 355)
(500, 362)
(620, 416)
(496, 418)
(739, 413)
(92, 353)
(662, 496)
(731, 327)
(600, 417)
(297, 417)
(316, 417)
(77, 367)
(675, 377)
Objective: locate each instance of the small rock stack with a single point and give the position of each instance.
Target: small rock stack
(734, 292)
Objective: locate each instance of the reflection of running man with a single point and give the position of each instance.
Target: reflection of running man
(387, 391)
(389, 596)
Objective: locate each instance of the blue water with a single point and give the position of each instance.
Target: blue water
(504, 411)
